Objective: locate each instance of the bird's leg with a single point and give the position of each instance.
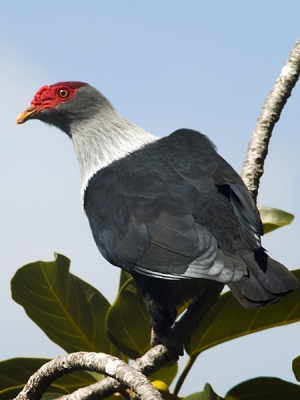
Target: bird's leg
(196, 312)
(162, 319)
(168, 339)
(163, 313)
(183, 329)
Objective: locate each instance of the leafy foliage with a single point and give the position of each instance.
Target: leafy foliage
(14, 374)
(227, 320)
(207, 394)
(76, 316)
(296, 368)
(70, 311)
(121, 322)
(273, 218)
(264, 388)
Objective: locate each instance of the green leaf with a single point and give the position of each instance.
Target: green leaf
(14, 374)
(164, 390)
(166, 374)
(70, 311)
(264, 388)
(272, 218)
(296, 368)
(124, 277)
(227, 320)
(128, 322)
(50, 396)
(207, 394)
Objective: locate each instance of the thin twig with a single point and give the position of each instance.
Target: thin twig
(184, 373)
(257, 151)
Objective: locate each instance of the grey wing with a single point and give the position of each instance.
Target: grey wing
(179, 248)
(163, 239)
(160, 239)
(233, 187)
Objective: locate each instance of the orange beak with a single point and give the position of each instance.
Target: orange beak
(24, 116)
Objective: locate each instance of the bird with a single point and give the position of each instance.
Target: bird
(170, 210)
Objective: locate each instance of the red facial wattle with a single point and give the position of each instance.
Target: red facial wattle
(50, 97)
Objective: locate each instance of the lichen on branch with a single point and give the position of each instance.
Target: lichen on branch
(253, 167)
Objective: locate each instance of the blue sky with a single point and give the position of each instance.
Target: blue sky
(206, 65)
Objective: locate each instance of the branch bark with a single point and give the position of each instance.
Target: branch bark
(257, 151)
(150, 362)
(97, 362)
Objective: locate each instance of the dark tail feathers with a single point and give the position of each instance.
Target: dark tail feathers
(267, 282)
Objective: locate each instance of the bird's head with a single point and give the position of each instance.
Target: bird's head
(64, 104)
(100, 135)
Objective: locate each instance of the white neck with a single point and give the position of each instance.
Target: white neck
(104, 139)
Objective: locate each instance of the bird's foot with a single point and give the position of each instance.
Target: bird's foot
(170, 340)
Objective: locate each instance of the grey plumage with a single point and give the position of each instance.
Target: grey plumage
(171, 211)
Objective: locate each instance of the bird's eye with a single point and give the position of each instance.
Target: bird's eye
(63, 93)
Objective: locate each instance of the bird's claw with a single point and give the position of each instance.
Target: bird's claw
(169, 340)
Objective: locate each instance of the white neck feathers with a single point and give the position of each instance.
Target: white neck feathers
(104, 139)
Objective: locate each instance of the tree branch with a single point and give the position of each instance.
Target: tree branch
(257, 151)
(97, 362)
(150, 362)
